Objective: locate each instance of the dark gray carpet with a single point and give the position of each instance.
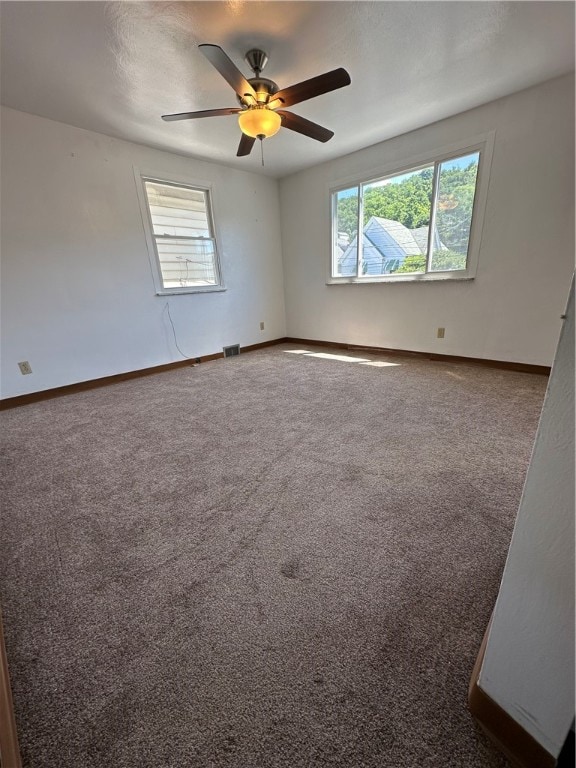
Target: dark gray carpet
(272, 560)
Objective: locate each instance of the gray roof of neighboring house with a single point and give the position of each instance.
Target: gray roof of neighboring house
(421, 236)
(402, 236)
(384, 242)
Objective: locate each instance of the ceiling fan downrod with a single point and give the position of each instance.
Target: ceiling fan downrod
(257, 60)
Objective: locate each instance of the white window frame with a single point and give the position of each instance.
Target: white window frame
(141, 177)
(483, 144)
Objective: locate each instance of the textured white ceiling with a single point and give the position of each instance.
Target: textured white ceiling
(116, 67)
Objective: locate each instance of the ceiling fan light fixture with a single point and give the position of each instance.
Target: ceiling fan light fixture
(259, 122)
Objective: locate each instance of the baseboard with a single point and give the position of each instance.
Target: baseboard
(262, 344)
(82, 386)
(517, 744)
(543, 370)
(9, 750)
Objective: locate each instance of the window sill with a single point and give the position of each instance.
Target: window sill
(177, 292)
(444, 278)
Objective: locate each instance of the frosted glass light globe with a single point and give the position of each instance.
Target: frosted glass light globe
(259, 121)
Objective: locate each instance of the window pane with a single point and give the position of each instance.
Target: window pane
(185, 244)
(345, 248)
(455, 200)
(186, 262)
(177, 210)
(396, 221)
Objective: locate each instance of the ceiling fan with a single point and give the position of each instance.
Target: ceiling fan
(261, 112)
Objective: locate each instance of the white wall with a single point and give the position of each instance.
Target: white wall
(78, 298)
(511, 310)
(528, 666)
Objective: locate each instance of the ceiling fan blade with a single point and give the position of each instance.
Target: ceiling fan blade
(308, 89)
(227, 69)
(202, 113)
(307, 127)
(245, 146)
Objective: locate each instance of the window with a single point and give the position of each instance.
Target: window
(413, 224)
(183, 239)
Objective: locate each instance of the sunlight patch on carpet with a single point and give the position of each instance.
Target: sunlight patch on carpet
(341, 358)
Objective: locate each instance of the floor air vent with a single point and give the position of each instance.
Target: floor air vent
(232, 350)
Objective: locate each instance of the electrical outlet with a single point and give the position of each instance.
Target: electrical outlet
(25, 367)
(440, 333)
(262, 325)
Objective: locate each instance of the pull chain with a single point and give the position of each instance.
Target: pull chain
(262, 151)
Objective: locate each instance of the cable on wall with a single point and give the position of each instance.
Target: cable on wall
(167, 307)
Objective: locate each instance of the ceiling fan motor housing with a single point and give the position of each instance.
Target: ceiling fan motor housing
(264, 89)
